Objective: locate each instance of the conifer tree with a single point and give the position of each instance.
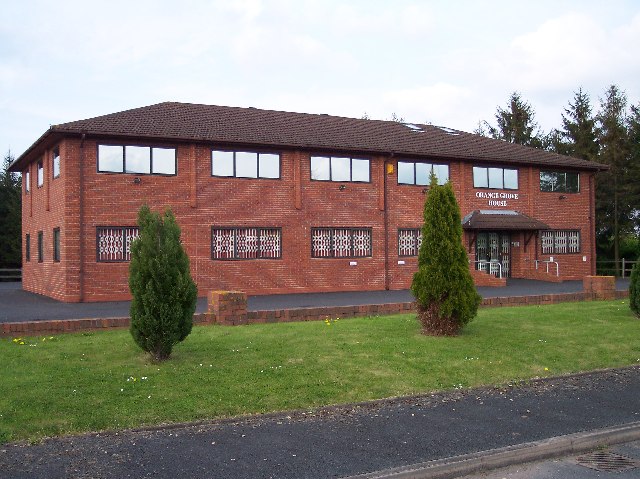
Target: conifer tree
(633, 183)
(579, 128)
(10, 216)
(443, 287)
(515, 124)
(164, 295)
(634, 289)
(612, 210)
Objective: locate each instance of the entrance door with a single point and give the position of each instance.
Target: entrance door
(493, 253)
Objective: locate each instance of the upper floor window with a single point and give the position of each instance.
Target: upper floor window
(409, 241)
(338, 168)
(27, 181)
(495, 178)
(560, 181)
(340, 242)
(245, 164)
(56, 162)
(246, 243)
(136, 159)
(114, 243)
(417, 173)
(40, 173)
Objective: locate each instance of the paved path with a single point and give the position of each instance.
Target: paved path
(19, 305)
(342, 441)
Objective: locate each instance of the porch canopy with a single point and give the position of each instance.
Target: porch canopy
(501, 220)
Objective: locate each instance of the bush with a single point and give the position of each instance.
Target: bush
(443, 287)
(634, 289)
(164, 295)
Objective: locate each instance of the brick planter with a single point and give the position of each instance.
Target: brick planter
(228, 307)
(600, 287)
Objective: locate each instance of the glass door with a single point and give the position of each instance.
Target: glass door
(493, 253)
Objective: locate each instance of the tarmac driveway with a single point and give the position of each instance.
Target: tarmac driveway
(18, 305)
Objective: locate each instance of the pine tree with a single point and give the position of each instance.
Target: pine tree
(443, 287)
(515, 124)
(634, 289)
(164, 295)
(10, 216)
(612, 210)
(579, 128)
(633, 184)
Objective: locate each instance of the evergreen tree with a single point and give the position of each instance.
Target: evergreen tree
(164, 295)
(613, 211)
(10, 216)
(555, 141)
(633, 183)
(515, 124)
(579, 128)
(634, 289)
(443, 287)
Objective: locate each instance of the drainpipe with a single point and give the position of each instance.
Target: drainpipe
(592, 225)
(81, 218)
(385, 212)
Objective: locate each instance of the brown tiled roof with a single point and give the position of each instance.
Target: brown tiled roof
(505, 220)
(250, 126)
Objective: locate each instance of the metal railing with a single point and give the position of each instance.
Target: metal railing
(491, 267)
(10, 274)
(548, 263)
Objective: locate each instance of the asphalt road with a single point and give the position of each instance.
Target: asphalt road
(341, 441)
(19, 305)
(576, 466)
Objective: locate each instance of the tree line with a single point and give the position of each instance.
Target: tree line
(611, 136)
(10, 216)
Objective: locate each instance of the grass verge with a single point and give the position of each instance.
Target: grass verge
(95, 381)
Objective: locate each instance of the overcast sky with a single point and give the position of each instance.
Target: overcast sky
(448, 62)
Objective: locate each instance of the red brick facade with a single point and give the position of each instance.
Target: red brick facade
(81, 199)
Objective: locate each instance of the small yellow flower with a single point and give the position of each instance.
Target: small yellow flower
(546, 369)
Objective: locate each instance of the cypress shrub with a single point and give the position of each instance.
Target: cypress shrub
(634, 289)
(164, 295)
(445, 295)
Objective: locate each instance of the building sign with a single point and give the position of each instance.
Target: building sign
(495, 198)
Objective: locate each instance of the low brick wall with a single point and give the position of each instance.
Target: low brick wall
(35, 328)
(602, 287)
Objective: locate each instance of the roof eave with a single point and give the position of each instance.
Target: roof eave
(48, 137)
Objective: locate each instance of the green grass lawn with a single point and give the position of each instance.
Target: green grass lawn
(95, 381)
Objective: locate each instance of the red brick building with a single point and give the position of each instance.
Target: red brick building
(278, 202)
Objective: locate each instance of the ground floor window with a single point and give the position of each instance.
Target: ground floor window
(409, 241)
(229, 243)
(340, 242)
(113, 243)
(27, 247)
(56, 245)
(40, 246)
(560, 241)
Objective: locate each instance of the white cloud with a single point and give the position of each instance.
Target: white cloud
(426, 61)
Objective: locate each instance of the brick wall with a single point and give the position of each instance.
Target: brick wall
(294, 203)
(240, 317)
